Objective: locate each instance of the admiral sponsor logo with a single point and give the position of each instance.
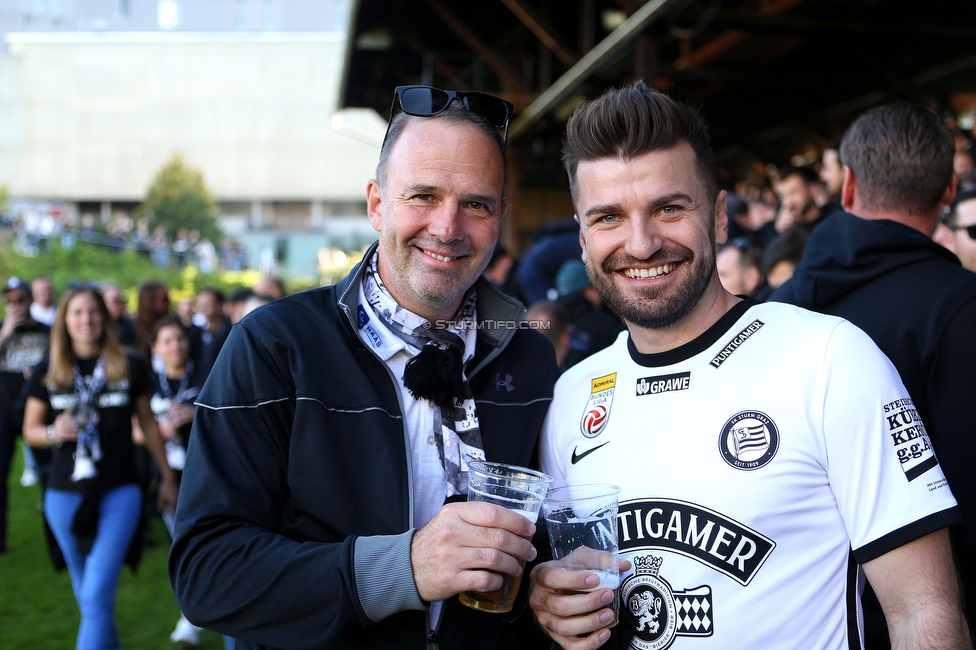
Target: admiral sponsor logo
(603, 383)
(596, 414)
(909, 438)
(657, 613)
(736, 341)
(663, 384)
(695, 532)
(749, 440)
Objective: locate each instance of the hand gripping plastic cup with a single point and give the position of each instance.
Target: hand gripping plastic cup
(516, 488)
(582, 525)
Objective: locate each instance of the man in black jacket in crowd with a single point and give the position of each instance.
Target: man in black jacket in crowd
(877, 266)
(23, 343)
(323, 498)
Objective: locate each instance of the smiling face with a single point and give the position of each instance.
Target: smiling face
(83, 320)
(172, 346)
(648, 232)
(438, 215)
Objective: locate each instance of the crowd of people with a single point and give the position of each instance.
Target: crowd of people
(32, 230)
(766, 372)
(104, 401)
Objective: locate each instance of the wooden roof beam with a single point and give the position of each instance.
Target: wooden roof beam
(726, 40)
(491, 59)
(566, 86)
(543, 33)
(436, 62)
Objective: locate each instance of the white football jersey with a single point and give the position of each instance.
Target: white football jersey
(758, 465)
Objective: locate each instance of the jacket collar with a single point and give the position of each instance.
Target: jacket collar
(498, 314)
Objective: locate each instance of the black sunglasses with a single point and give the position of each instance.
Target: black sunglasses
(427, 101)
(970, 230)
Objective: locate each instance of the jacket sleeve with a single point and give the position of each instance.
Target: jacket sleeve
(950, 395)
(233, 566)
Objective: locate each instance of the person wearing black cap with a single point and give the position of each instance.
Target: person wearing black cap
(877, 266)
(23, 343)
(962, 223)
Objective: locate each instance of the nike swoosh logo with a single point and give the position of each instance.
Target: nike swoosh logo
(578, 457)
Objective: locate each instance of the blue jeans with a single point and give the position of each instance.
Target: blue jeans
(94, 577)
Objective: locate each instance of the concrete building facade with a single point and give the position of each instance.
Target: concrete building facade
(87, 118)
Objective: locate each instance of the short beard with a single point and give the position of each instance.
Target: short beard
(651, 310)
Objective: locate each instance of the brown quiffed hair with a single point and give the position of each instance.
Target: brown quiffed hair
(901, 156)
(61, 369)
(628, 122)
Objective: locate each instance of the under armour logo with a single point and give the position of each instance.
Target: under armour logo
(504, 382)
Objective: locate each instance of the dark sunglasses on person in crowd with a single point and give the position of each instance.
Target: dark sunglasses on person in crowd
(970, 230)
(427, 101)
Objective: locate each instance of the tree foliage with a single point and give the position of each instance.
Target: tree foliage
(178, 198)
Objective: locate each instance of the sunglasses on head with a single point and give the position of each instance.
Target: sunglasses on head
(427, 101)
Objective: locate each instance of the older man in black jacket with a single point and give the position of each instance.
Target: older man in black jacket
(322, 503)
(877, 266)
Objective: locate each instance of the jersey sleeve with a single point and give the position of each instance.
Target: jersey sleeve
(882, 469)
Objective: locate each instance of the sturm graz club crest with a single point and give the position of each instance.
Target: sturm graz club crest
(656, 613)
(749, 440)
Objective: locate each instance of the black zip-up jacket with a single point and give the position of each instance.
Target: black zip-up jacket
(295, 519)
(912, 297)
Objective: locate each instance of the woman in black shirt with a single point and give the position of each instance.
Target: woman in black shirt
(80, 403)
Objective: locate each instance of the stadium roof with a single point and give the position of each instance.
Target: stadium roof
(776, 79)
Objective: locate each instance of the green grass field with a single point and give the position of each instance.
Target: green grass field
(37, 608)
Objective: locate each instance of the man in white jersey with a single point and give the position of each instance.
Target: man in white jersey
(769, 458)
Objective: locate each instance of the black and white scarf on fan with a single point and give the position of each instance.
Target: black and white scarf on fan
(88, 450)
(437, 375)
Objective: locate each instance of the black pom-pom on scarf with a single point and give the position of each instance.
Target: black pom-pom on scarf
(436, 374)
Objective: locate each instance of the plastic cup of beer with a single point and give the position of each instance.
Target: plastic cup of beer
(516, 488)
(582, 525)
